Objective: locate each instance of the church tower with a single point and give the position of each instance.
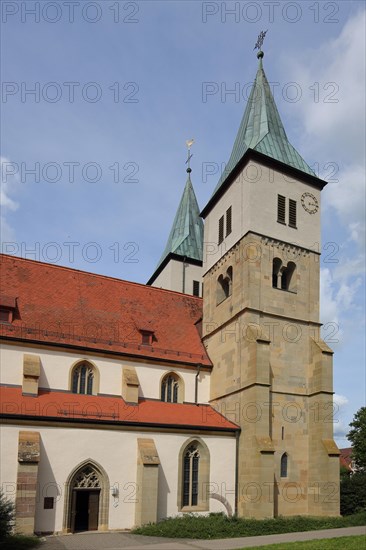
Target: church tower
(272, 371)
(180, 267)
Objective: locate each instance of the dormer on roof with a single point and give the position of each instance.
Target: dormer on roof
(8, 307)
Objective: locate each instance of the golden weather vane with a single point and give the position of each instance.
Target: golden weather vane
(189, 144)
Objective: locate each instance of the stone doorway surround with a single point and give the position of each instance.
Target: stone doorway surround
(88, 475)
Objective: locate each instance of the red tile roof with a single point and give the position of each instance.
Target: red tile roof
(346, 458)
(70, 307)
(104, 409)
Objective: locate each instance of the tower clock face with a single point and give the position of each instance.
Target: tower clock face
(309, 203)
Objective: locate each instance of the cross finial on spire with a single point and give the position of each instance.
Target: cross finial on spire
(189, 144)
(259, 43)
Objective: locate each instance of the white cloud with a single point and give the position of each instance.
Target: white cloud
(333, 109)
(335, 133)
(340, 427)
(340, 400)
(336, 120)
(7, 204)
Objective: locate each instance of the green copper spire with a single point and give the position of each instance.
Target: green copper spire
(186, 235)
(261, 129)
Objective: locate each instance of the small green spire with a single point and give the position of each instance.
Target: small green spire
(186, 235)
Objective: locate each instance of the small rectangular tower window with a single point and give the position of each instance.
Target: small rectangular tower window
(196, 288)
(292, 213)
(228, 221)
(221, 229)
(48, 503)
(281, 209)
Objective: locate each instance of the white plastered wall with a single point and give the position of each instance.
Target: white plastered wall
(63, 449)
(171, 277)
(253, 198)
(56, 365)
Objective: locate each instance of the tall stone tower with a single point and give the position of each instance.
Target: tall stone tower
(272, 372)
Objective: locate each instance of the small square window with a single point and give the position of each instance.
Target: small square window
(146, 338)
(48, 503)
(196, 288)
(6, 315)
(228, 221)
(292, 213)
(281, 209)
(221, 230)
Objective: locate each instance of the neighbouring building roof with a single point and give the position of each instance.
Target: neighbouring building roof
(346, 459)
(71, 407)
(186, 235)
(74, 308)
(261, 130)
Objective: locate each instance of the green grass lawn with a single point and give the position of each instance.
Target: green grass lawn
(341, 543)
(217, 526)
(18, 542)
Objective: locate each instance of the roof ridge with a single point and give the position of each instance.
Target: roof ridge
(99, 275)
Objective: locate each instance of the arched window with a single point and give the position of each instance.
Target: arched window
(190, 476)
(284, 462)
(82, 379)
(194, 476)
(283, 276)
(276, 266)
(172, 389)
(288, 278)
(224, 285)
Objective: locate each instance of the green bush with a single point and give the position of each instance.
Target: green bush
(215, 526)
(353, 493)
(6, 516)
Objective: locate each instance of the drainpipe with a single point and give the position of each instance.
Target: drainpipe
(196, 383)
(237, 435)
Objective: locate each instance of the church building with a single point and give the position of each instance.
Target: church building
(207, 390)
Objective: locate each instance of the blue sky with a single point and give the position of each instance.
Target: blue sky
(119, 88)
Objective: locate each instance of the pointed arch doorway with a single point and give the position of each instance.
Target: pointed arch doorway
(87, 499)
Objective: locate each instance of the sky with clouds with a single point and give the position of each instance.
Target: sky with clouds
(98, 99)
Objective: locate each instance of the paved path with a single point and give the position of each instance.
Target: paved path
(126, 541)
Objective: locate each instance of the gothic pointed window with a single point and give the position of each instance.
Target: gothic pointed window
(190, 476)
(82, 380)
(171, 389)
(194, 476)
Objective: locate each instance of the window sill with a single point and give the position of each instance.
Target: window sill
(292, 226)
(281, 222)
(285, 290)
(198, 508)
(222, 301)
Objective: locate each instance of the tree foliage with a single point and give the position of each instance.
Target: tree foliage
(353, 493)
(357, 436)
(6, 516)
